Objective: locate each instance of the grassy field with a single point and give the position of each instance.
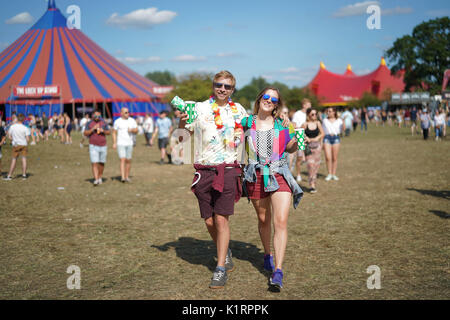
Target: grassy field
(146, 240)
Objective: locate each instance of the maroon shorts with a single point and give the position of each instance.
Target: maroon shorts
(212, 201)
(256, 190)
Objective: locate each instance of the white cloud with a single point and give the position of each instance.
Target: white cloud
(142, 18)
(21, 18)
(228, 55)
(133, 60)
(359, 9)
(188, 58)
(356, 9)
(396, 10)
(290, 70)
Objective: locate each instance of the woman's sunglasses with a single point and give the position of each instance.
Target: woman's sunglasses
(273, 99)
(219, 85)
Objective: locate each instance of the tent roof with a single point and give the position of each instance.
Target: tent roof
(50, 53)
(338, 89)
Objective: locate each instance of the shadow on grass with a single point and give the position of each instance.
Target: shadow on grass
(441, 214)
(202, 252)
(445, 194)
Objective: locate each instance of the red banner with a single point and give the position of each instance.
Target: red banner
(36, 91)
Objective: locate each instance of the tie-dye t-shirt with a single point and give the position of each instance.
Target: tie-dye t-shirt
(214, 146)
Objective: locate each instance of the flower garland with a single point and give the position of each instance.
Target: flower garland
(238, 129)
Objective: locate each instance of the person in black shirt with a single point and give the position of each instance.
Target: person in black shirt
(313, 136)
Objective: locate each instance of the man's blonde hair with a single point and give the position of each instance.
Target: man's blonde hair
(224, 74)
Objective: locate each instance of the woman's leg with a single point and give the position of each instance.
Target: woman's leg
(328, 157)
(313, 166)
(335, 152)
(280, 203)
(263, 211)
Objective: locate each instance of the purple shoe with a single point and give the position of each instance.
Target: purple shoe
(268, 263)
(276, 280)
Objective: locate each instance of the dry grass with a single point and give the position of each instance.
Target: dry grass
(146, 240)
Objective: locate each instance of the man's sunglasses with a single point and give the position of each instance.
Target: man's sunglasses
(273, 99)
(219, 85)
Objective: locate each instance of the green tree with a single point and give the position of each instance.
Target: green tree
(193, 87)
(424, 55)
(164, 78)
(367, 100)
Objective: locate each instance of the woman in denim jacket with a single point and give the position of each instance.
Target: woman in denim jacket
(268, 181)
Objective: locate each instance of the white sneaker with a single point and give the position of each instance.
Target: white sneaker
(8, 178)
(335, 178)
(81, 145)
(329, 177)
(96, 183)
(100, 181)
(299, 178)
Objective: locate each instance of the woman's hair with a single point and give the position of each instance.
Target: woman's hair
(308, 111)
(225, 75)
(334, 111)
(277, 111)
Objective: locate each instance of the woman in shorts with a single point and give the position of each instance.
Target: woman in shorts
(67, 128)
(267, 179)
(332, 127)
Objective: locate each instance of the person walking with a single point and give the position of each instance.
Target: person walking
(163, 129)
(347, 117)
(363, 118)
(439, 124)
(124, 129)
(313, 136)
(67, 128)
(148, 129)
(19, 134)
(333, 127)
(216, 180)
(267, 178)
(2, 142)
(97, 130)
(298, 120)
(45, 126)
(425, 123)
(83, 123)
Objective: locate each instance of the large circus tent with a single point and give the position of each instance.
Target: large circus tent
(333, 89)
(55, 68)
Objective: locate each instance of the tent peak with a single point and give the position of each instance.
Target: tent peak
(383, 61)
(51, 4)
(322, 65)
(349, 67)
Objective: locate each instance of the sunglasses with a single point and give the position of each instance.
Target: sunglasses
(273, 99)
(313, 114)
(219, 85)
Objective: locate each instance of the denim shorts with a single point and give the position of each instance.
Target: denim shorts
(331, 139)
(125, 152)
(97, 153)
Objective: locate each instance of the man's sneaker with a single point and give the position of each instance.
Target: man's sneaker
(8, 178)
(329, 177)
(335, 178)
(299, 178)
(276, 280)
(218, 279)
(229, 265)
(268, 263)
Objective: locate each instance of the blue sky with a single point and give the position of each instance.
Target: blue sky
(280, 40)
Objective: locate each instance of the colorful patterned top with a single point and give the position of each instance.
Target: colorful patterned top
(281, 137)
(215, 145)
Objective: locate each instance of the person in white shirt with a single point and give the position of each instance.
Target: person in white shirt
(124, 130)
(299, 119)
(83, 123)
(148, 129)
(20, 136)
(332, 127)
(439, 124)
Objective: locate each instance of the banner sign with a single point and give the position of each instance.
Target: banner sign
(162, 90)
(36, 91)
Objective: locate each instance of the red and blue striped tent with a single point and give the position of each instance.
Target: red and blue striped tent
(52, 54)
